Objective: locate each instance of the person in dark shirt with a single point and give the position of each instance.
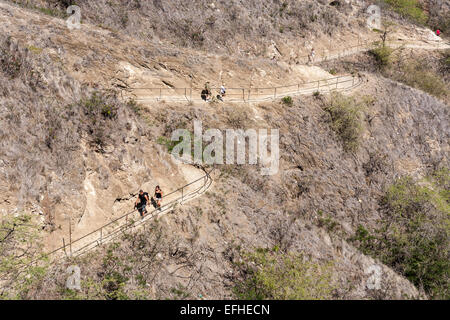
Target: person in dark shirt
(204, 94)
(158, 196)
(141, 203)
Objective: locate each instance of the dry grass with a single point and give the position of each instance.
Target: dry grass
(202, 24)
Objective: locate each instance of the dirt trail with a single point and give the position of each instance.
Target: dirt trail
(96, 56)
(84, 242)
(323, 85)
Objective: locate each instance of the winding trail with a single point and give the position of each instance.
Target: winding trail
(131, 220)
(341, 83)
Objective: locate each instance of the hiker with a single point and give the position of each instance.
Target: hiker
(141, 203)
(438, 32)
(158, 196)
(221, 94)
(209, 92)
(206, 93)
(312, 55)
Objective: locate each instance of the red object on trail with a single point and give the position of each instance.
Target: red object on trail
(438, 32)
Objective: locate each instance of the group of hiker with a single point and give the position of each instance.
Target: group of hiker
(143, 200)
(206, 93)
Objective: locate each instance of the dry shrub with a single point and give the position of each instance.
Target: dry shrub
(346, 119)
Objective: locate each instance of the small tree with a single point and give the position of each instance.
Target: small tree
(413, 234)
(346, 119)
(383, 53)
(22, 264)
(272, 274)
(388, 27)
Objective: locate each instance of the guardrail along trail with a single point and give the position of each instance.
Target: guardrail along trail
(340, 83)
(132, 219)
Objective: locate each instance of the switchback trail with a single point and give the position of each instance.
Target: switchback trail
(340, 83)
(131, 220)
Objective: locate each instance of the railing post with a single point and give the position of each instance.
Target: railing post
(337, 82)
(64, 247)
(160, 93)
(318, 85)
(275, 93)
(70, 238)
(248, 95)
(182, 194)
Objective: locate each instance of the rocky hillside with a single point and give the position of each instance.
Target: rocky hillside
(75, 149)
(219, 26)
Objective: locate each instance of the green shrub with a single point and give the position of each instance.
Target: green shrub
(168, 143)
(426, 81)
(288, 101)
(48, 11)
(22, 262)
(279, 276)
(382, 55)
(100, 113)
(326, 221)
(97, 104)
(365, 239)
(419, 76)
(114, 284)
(346, 119)
(413, 234)
(410, 9)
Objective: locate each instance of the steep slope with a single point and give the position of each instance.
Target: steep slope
(74, 151)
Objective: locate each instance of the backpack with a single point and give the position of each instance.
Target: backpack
(145, 194)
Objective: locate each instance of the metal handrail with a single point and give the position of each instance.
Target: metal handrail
(256, 88)
(242, 91)
(103, 237)
(248, 94)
